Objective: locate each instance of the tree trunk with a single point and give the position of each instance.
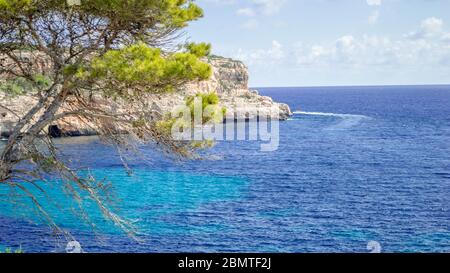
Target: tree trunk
(20, 145)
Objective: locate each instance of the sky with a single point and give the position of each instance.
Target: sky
(331, 42)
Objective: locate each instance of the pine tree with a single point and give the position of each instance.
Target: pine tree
(94, 50)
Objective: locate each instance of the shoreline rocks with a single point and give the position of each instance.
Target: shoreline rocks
(229, 80)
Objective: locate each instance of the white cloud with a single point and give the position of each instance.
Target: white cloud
(260, 8)
(430, 27)
(365, 51)
(375, 15)
(246, 12)
(275, 54)
(268, 7)
(253, 8)
(374, 2)
(373, 18)
(446, 37)
(429, 50)
(251, 24)
(264, 7)
(219, 1)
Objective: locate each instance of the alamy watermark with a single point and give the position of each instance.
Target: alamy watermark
(74, 247)
(374, 247)
(242, 123)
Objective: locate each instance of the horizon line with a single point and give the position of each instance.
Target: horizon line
(362, 85)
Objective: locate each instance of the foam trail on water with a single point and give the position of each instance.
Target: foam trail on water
(330, 114)
(348, 120)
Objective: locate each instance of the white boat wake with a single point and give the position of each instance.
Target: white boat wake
(348, 120)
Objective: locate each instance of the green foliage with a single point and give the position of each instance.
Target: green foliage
(174, 13)
(199, 145)
(41, 81)
(14, 87)
(138, 123)
(144, 68)
(211, 113)
(14, 6)
(113, 48)
(20, 86)
(210, 107)
(71, 69)
(168, 12)
(127, 70)
(200, 50)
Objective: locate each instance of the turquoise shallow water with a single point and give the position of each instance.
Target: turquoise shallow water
(355, 164)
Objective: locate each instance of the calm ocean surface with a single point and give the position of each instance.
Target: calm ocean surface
(355, 164)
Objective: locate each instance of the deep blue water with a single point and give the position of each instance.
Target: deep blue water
(355, 164)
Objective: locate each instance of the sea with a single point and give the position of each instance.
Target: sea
(354, 165)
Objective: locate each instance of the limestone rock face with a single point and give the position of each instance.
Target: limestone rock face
(229, 80)
(19, 105)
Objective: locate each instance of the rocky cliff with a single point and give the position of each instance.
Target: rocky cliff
(229, 80)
